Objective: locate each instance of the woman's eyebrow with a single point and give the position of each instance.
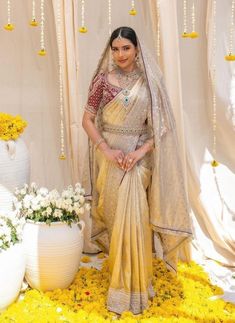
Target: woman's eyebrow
(113, 47)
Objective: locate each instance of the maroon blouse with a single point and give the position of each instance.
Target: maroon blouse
(100, 93)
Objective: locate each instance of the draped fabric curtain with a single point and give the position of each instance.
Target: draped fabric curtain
(187, 66)
(30, 87)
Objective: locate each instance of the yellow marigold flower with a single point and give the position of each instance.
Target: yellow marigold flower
(83, 30)
(11, 127)
(133, 12)
(230, 57)
(42, 52)
(62, 157)
(101, 255)
(185, 35)
(33, 23)
(85, 259)
(9, 27)
(214, 163)
(193, 34)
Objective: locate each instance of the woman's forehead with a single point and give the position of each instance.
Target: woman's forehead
(121, 42)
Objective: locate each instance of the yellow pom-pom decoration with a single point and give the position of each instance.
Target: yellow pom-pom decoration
(83, 30)
(193, 34)
(185, 35)
(133, 12)
(214, 163)
(85, 259)
(230, 57)
(9, 27)
(62, 157)
(42, 52)
(33, 23)
(101, 255)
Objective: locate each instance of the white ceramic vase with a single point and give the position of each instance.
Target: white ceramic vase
(53, 253)
(12, 270)
(14, 170)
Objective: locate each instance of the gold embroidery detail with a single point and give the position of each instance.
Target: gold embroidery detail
(122, 130)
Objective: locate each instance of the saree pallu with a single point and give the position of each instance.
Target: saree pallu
(120, 207)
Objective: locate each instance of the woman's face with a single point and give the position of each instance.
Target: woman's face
(124, 53)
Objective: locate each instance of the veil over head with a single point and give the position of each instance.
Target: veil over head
(168, 205)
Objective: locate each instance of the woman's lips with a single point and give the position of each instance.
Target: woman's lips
(123, 61)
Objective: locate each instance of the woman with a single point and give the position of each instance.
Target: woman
(134, 175)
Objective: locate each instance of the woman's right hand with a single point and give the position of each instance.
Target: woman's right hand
(114, 155)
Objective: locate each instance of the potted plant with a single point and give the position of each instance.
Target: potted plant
(12, 261)
(52, 235)
(14, 159)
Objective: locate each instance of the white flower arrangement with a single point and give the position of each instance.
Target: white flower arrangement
(10, 231)
(41, 205)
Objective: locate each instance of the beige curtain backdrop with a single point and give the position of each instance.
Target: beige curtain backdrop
(29, 86)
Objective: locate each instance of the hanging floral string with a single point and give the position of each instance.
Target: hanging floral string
(110, 16)
(9, 26)
(185, 33)
(33, 21)
(214, 163)
(231, 56)
(83, 28)
(42, 51)
(133, 11)
(193, 34)
(61, 97)
(158, 30)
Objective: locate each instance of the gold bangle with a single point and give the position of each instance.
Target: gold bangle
(99, 141)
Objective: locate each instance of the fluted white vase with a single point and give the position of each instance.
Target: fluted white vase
(12, 270)
(53, 253)
(14, 170)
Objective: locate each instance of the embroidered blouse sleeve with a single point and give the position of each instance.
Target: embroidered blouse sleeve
(95, 94)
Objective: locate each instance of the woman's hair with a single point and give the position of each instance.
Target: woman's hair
(124, 32)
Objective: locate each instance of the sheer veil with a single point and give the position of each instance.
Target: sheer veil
(168, 205)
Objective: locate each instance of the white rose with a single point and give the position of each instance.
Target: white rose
(49, 210)
(30, 211)
(43, 191)
(23, 191)
(35, 206)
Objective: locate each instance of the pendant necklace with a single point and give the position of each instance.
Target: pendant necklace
(126, 81)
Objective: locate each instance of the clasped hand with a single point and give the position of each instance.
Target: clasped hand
(125, 162)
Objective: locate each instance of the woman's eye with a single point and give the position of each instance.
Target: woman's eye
(114, 49)
(126, 48)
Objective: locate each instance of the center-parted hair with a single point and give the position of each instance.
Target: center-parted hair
(124, 32)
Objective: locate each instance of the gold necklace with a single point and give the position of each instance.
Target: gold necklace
(126, 80)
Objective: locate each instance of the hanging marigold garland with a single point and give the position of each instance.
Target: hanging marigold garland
(42, 51)
(61, 97)
(158, 30)
(214, 163)
(33, 21)
(185, 33)
(193, 34)
(231, 56)
(83, 29)
(133, 11)
(110, 16)
(9, 26)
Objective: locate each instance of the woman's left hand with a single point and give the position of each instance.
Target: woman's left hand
(132, 158)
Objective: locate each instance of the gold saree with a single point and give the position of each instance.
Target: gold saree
(129, 208)
(121, 210)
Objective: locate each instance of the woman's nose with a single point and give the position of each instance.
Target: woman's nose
(120, 53)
